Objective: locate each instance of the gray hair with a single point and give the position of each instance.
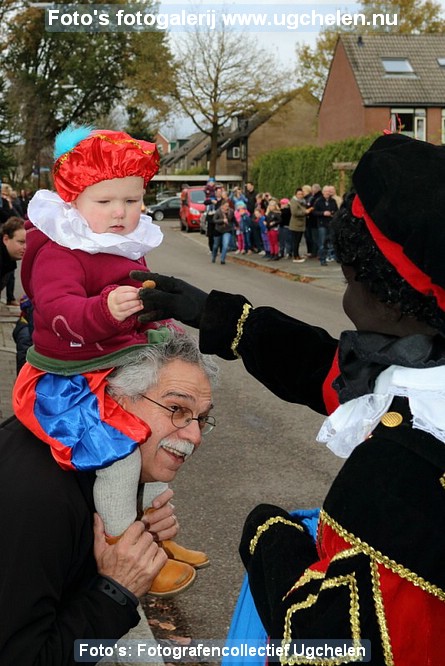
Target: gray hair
(139, 369)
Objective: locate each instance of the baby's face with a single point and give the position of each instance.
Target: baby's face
(112, 206)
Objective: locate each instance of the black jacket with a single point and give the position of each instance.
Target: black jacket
(50, 590)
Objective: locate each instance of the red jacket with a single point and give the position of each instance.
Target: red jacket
(69, 290)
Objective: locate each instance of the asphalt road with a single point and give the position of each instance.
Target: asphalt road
(262, 450)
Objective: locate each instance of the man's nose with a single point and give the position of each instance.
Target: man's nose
(193, 433)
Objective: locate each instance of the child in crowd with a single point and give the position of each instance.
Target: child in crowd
(81, 246)
(260, 216)
(273, 218)
(242, 218)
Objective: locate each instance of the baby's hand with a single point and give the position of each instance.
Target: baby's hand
(123, 302)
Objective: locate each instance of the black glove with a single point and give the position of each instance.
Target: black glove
(171, 298)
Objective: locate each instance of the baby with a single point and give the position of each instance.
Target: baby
(82, 245)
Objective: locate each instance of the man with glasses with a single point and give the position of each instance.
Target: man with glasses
(64, 580)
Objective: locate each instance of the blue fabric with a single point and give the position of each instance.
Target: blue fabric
(68, 411)
(246, 623)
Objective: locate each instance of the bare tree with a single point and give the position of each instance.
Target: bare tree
(222, 74)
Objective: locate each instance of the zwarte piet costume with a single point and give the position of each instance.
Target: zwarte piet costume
(376, 570)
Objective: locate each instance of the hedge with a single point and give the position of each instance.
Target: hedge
(282, 171)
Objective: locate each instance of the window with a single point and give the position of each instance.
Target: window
(197, 196)
(397, 67)
(411, 122)
(441, 62)
(233, 153)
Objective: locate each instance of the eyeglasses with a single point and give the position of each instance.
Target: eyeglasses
(181, 417)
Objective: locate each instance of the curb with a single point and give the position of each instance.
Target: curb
(329, 280)
(295, 277)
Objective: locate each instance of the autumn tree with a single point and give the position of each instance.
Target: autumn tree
(55, 78)
(413, 17)
(219, 76)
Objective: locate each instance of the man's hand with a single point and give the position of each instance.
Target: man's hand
(172, 298)
(133, 561)
(160, 520)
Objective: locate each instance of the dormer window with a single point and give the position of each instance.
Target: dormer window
(441, 62)
(397, 66)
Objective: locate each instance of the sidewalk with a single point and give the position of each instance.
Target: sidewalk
(310, 271)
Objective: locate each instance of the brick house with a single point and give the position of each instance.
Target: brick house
(291, 122)
(162, 143)
(375, 80)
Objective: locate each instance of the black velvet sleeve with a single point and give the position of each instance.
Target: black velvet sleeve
(275, 549)
(291, 358)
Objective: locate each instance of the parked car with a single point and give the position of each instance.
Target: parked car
(167, 208)
(192, 207)
(166, 194)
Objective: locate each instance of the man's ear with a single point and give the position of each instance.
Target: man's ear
(122, 401)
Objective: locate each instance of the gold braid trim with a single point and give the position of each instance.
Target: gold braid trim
(344, 554)
(354, 621)
(313, 574)
(307, 577)
(265, 526)
(442, 480)
(115, 142)
(380, 612)
(384, 560)
(239, 329)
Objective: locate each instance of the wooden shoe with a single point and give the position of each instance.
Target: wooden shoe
(174, 577)
(194, 558)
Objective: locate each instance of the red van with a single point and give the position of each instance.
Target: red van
(192, 207)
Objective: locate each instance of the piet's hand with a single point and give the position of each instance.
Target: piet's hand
(171, 298)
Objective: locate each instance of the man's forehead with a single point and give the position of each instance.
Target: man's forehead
(185, 379)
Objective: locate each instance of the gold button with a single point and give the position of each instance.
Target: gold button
(391, 419)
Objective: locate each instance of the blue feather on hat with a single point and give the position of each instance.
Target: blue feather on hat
(68, 138)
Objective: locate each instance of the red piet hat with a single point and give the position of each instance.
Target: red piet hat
(400, 185)
(85, 156)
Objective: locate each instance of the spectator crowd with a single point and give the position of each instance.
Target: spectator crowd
(247, 222)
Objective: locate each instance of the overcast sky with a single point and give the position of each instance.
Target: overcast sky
(279, 40)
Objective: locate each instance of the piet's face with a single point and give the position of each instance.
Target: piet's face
(362, 307)
(367, 313)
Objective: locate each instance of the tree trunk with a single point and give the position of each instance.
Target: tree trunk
(213, 151)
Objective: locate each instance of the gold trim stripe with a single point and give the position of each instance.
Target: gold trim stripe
(393, 566)
(380, 612)
(239, 329)
(308, 576)
(354, 620)
(265, 526)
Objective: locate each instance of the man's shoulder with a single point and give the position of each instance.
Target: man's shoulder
(27, 467)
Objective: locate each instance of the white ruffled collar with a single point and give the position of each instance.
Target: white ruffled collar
(64, 225)
(351, 423)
